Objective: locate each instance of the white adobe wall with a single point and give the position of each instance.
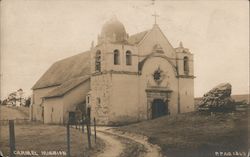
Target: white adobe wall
(74, 97)
(186, 95)
(53, 111)
(107, 57)
(124, 98)
(64, 104)
(155, 36)
(146, 80)
(36, 108)
(101, 87)
(180, 57)
(108, 85)
(186, 82)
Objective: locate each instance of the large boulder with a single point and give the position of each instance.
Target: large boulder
(218, 99)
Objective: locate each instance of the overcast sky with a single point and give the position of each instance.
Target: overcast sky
(36, 33)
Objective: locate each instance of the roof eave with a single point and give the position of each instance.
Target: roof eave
(34, 88)
(64, 93)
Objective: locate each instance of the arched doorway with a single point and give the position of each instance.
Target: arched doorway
(159, 108)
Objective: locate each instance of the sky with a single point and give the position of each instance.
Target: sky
(36, 33)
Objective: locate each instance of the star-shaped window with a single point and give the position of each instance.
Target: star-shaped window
(157, 75)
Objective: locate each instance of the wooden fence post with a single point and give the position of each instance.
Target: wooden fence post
(12, 138)
(89, 118)
(88, 133)
(95, 129)
(68, 140)
(83, 123)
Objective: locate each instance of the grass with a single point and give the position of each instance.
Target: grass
(48, 138)
(132, 149)
(13, 112)
(194, 134)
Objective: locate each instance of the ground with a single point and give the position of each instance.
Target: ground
(49, 138)
(195, 134)
(189, 134)
(39, 137)
(121, 144)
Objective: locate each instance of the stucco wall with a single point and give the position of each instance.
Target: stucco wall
(122, 66)
(151, 39)
(124, 98)
(56, 109)
(123, 95)
(107, 57)
(36, 106)
(181, 63)
(169, 81)
(186, 94)
(100, 89)
(74, 97)
(53, 110)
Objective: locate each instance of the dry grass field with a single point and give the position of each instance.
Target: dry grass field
(195, 134)
(38, 137)
(48, 138)
(13, 113)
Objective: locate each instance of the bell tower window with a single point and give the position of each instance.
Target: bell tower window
(186, 65)
(98, 61)
(128, 58)
(116, 57)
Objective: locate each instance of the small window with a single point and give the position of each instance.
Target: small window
(98, 61)
(116, 57)
(186, 65)
(128, 58)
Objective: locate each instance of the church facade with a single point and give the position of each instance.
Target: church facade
(122, 79)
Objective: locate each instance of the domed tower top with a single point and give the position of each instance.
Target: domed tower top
(113, 31)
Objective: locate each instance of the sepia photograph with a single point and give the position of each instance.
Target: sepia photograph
(124, 78)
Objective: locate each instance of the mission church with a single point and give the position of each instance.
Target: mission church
(123, 78)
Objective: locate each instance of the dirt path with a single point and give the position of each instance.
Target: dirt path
(115, 147)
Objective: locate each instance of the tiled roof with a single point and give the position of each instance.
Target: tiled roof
(66, 69)
(67, 86)
(136, 38)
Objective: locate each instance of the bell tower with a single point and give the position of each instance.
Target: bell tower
(185, 61)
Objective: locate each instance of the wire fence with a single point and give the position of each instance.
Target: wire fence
(16, 121)
(21, 137)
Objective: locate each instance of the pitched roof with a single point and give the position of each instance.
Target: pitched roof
(136, 38)
(66, 69)
(67, 86)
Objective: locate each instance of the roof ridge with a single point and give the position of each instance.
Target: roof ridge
(138, 37)
(81, 53)
(140, 32)
(65, 69)
(67, 86)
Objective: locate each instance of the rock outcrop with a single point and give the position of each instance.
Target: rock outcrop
(218, 99)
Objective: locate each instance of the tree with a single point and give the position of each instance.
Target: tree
(27, 102)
